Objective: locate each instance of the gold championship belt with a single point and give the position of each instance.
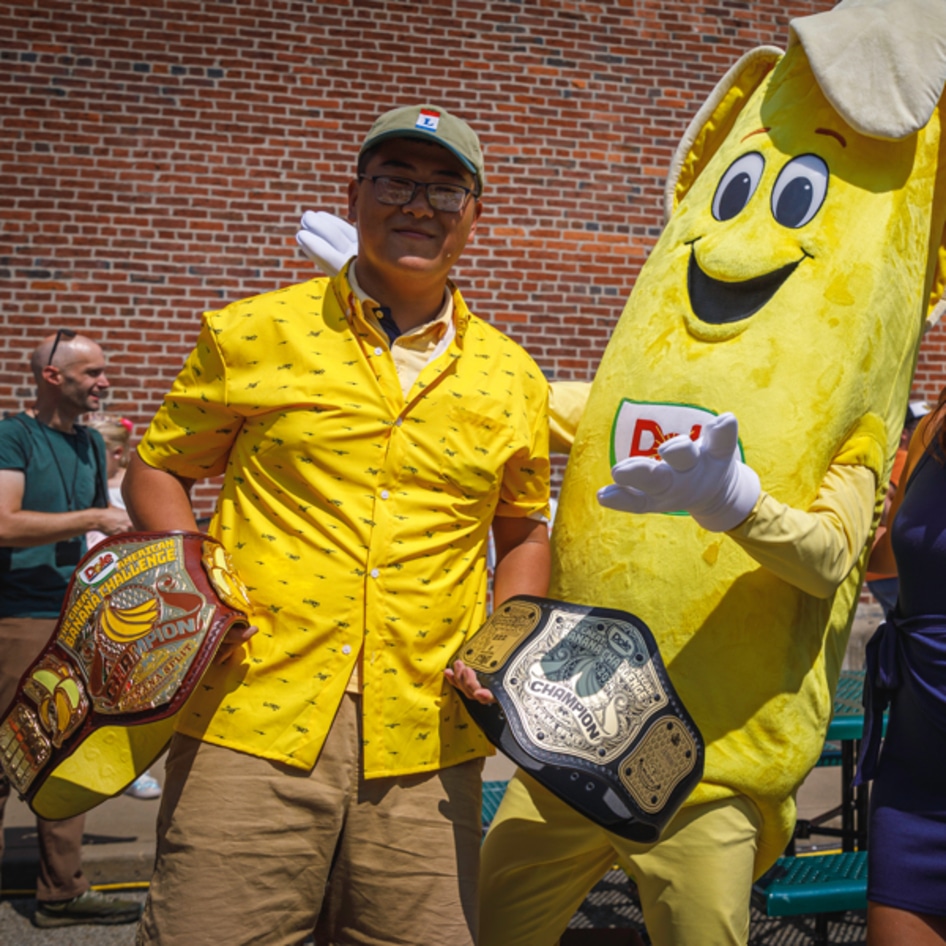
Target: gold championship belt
(142, 619)
(585, 706)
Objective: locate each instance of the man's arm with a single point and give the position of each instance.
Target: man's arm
(157, 501)
(27, 528)
(523, 567)
(523, 558)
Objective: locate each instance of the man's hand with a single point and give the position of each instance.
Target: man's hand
(327, 240)
(113, 520)
(235, 638)
(705, 478)
(465, 680)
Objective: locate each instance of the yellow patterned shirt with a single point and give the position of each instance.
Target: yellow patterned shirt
(357, 517)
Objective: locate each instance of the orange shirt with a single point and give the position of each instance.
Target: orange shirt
(882, 563)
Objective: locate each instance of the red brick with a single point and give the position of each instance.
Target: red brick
(156, 160)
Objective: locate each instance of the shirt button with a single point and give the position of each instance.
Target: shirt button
(384, 494)
(379, 351)
(398, 422)
(375, 573)
(346, 649)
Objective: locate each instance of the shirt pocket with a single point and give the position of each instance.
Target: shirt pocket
(475, 447)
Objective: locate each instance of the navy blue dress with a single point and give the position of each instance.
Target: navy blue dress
(907, 850)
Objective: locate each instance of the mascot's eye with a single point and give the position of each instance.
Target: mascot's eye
(737, 185)
(799, 191)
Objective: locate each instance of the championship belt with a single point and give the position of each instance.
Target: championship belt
(142, 619)
(585, 706)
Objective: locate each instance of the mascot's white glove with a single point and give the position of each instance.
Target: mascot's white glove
(705, 478)
(327, 240)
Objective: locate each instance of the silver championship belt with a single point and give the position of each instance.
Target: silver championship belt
(142, 619)
(585, 706)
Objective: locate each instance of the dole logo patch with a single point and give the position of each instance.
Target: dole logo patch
(640, 427)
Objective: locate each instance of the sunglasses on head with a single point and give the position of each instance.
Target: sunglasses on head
(63, 333)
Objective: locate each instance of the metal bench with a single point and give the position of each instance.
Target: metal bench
(492, 795)
(814, 885)
(843, 740)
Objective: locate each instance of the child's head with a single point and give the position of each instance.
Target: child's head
(116, 432)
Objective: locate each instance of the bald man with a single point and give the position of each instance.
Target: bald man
(52, 491)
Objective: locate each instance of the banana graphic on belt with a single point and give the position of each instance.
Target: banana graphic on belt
(60, 704)
(226, 581)
(127, 624)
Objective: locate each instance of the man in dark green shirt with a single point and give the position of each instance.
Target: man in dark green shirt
(52, 491)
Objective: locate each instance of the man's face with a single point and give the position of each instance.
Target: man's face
(81, 376)
(413, 239)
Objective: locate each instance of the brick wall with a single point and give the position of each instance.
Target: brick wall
(155, 157)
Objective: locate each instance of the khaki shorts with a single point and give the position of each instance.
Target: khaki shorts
(251, 851)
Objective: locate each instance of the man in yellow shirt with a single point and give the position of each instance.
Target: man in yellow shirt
(370, 431)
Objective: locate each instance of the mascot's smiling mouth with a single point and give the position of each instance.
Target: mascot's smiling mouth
(718, 302)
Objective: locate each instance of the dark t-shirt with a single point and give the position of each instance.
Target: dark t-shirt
(63, 472)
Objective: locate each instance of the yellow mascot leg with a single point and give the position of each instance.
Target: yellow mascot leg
(539, 860)
(541, 857)
(695, 883)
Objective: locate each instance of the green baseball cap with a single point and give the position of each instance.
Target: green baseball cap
(431, 123)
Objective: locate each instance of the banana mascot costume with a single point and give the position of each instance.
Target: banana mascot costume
(775, 326)
(803, 251)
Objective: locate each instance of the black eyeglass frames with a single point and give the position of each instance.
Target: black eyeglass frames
(398, 191)
(63, 333)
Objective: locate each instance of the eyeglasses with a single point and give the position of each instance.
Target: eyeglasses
(398, 191)
(67, 334)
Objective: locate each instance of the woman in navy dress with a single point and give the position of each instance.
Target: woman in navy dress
(906, 667)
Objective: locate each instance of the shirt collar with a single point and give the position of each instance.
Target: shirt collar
(439, 324)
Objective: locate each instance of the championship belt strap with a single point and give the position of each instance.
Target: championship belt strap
(585, 706)
(142, 619)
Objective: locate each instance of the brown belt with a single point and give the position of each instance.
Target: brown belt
(142, 619)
